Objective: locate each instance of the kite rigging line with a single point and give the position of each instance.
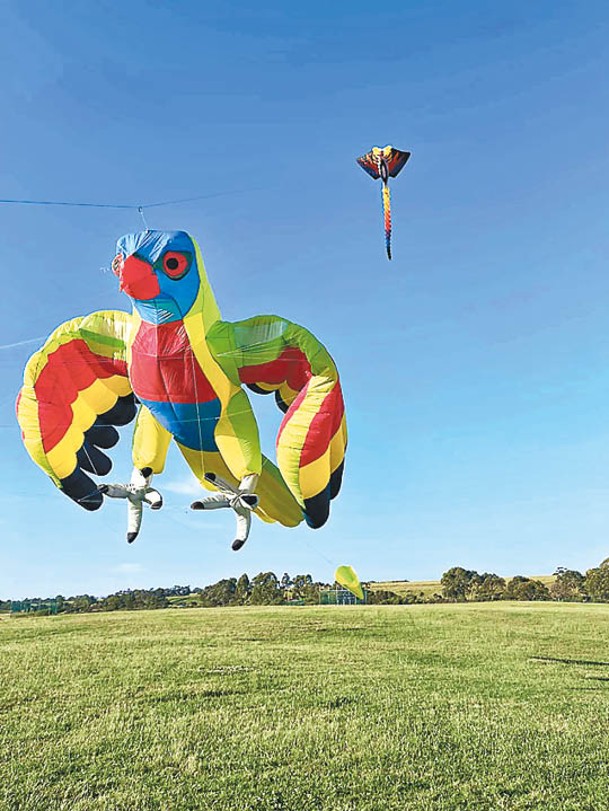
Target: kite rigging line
(139, 207)
(64, 203)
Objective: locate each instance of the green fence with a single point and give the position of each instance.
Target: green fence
(340, 597)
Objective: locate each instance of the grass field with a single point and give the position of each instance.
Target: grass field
(473, 706)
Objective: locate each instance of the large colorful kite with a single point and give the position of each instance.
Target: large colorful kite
(178, 370)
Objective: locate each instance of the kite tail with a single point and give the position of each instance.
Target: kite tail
(387, 216)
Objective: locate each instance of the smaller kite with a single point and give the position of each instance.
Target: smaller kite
(383, 163)
(346, 577)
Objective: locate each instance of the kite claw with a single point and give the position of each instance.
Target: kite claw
(240, 500)
(137, 493)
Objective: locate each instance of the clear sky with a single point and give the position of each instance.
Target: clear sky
(475, 365)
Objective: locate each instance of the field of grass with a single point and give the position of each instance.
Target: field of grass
(473, 706)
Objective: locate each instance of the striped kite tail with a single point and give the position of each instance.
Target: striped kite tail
(387, 217)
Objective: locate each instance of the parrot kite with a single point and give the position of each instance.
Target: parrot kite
(383, 163)
(176, 369)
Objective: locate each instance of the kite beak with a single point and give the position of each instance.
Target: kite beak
(137, 278)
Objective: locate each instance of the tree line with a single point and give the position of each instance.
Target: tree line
(263, 589)
(456, 585)
(569, 585)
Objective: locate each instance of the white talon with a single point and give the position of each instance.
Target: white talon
(138, 492)
(241, 500)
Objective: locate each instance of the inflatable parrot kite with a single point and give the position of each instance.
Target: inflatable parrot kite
(383, 163)
(178, 370)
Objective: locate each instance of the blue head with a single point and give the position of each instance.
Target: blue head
(159, 272)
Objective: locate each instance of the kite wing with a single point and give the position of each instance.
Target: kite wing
(369, 164)
(75, 390)
(270, 354)
(396, 160)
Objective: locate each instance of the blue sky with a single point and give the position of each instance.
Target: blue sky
(474, 365)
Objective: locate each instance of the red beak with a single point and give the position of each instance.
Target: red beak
(138, 279)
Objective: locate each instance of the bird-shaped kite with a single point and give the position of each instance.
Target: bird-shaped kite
(383, 163)
(176, 368)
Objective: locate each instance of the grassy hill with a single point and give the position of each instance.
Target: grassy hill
(452, 707)
(431, 587)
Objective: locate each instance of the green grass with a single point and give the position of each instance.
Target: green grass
(474, 706)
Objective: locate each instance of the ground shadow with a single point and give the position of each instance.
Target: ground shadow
(588, 662)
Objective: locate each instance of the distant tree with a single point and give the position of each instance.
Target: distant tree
(384, 597)
(410, 597)
(299, 584)
(133, 600)
(568, 586)
(596, 582)
(457, 582)
(523, 588)
(265, 590)
(286, 581)
(310, 592)
(177, 591)
(220, 593)
(127, 599)
(242, 590)
(488, 587)
(153, 598)
(110, 603)
(82, 603)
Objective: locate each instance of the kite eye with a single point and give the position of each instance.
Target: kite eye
(175, 264)
(117, 264)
